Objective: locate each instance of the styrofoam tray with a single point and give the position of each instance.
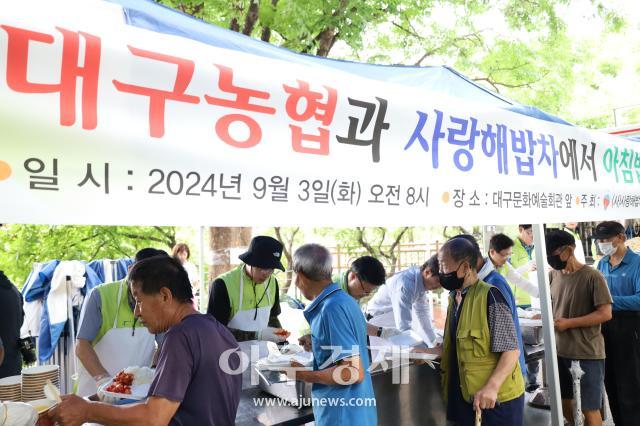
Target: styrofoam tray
(138, 392)
(406, 338)
(284, 361)
(526, 322)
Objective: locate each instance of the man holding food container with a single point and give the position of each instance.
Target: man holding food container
(189, 387)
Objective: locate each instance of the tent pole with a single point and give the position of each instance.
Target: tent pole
(550, 359)
(201, 270)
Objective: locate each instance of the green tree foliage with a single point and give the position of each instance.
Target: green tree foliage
(23, 245)
(309, 26)
(519, 48)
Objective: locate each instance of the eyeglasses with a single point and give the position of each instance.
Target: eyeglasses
(364, 290)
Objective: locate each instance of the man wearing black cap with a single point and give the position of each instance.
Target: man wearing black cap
(621, 268)
(581, 303)
(246, 299)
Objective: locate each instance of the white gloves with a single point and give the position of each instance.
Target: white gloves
(389, 332)
(101, 396)
(272, 334)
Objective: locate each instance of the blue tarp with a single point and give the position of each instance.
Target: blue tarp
(38, 286)
(438, 79)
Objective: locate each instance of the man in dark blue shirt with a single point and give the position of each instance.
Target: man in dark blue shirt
(10, 322)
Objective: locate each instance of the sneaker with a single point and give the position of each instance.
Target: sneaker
(532, 388)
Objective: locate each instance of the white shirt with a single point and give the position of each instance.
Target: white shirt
(192, 272)
(405, 295)
(512, 276)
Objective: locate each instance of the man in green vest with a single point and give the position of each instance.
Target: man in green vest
(522, 260)
(247, 298)
(480, 366)
(108, 339)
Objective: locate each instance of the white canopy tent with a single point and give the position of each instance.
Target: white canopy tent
(107, 122)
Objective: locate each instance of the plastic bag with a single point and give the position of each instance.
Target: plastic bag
(17, 414)
(27, 347)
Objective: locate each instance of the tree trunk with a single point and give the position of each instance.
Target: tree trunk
(251, 19)
(220, 241)
(287, 244)
(325, 41)
(234, 25)
(266, 31)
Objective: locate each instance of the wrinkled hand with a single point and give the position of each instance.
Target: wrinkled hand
(485, 398)
(72, 411)
(294, 370)
(437, 350)
(562, 324)
(305, 342)
(272, 334)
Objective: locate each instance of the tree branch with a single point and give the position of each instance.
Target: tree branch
(409, 31)
(93, 256)
(364, 243)
(398, 238)
(494, 83)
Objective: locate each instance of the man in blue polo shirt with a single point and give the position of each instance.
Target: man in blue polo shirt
(621, 268)
(342, 391)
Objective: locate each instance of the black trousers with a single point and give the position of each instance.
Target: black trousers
(622, 366)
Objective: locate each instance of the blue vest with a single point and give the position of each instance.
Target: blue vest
(498, 281)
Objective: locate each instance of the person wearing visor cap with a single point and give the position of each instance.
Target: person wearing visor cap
(109, 338)
(581, 303)
(621, 268)
(246, 299)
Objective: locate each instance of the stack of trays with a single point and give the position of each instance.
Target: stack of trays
(10, 388)
(34, 379)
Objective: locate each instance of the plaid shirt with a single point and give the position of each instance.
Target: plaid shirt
(501, 326)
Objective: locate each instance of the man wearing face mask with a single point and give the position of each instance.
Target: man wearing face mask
(480, 366)
(621, 268)
(488, 273)
(581, 303)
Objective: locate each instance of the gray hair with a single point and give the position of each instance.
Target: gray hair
(314, 261)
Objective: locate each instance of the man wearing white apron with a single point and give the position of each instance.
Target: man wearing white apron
(246, 299)
(108, 339)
